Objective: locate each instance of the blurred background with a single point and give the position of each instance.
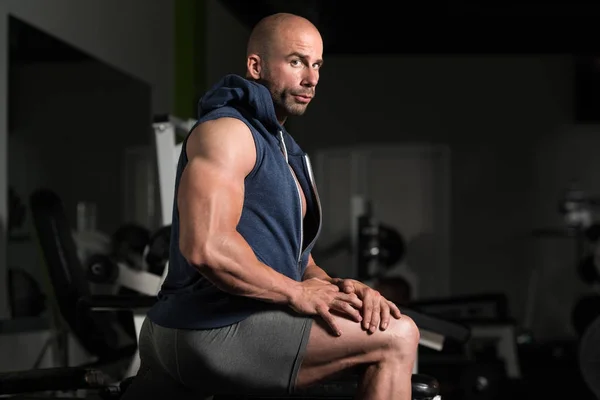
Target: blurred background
(471, 131)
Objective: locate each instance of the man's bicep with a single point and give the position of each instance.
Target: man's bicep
(211, 191)
(209, 194)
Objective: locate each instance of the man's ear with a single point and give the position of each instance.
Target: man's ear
(253, 66)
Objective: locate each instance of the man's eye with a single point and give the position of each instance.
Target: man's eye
(296, 62)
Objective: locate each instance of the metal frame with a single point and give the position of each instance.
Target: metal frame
(168, 151)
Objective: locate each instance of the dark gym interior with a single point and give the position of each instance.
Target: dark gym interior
(455, 148)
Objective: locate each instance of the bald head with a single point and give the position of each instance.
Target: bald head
(285, 54)
(268, 33)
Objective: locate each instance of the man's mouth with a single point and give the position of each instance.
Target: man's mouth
(303, 98)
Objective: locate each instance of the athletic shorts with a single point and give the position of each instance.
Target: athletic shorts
(259, 355)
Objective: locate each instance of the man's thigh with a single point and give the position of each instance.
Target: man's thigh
(262, 354)
(328, 355)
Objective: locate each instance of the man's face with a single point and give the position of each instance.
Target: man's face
(291, 71)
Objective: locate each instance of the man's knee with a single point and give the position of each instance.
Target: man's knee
(403, 336)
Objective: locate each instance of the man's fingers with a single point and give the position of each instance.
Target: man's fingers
(376, 314)
(345, 308)
(333, 288)
(367, 312)
(347, 287)
(329, 320)
(351, 299)
(385, 315)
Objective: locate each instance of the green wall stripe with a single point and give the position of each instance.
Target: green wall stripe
(189, 56)
(200, 59)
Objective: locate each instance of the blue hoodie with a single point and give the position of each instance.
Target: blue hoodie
(271, 220)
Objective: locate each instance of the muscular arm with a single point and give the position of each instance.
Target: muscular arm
(221, 153)
(314, 271)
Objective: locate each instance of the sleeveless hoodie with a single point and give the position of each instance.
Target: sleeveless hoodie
(271, 219)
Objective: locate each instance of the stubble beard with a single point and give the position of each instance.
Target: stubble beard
(283, 101)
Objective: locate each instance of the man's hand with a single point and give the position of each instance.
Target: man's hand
(376, 309)
(318, 297)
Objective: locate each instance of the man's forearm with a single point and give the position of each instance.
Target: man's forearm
(231, 265)
(314, 271)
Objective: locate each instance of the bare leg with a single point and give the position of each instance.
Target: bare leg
(388, 356)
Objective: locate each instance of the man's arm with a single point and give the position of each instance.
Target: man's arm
(221, 153)
(314, 271)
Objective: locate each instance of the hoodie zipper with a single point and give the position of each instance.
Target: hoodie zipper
(284, 149)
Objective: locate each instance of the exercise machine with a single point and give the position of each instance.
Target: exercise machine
(579, 211)
(375, 247)
(169, 132)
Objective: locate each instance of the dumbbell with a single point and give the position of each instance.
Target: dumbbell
(377, 243)
(101, 269)
(128, 244)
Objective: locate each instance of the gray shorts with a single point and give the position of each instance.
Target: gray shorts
(261, 354)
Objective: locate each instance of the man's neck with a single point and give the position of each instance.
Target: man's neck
(280, 117)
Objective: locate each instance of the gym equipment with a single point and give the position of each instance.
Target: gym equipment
(488, 308)
(375, 247)
(589, 356)
(25, 297)
(96, 332)
(101, 269)
(123, 264)
(129, 243)
(576, 207)
(104, 257)
(168, 131)
(491, 357)
(157, 251)
(51, 379)
(377, 244)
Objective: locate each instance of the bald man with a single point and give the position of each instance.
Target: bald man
(244, 307)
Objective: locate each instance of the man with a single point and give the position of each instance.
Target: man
(244, 307)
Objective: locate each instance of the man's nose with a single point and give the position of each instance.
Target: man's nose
(311, 77)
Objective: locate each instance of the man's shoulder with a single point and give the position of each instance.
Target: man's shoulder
(219, 138)
(225, 111)
(226, 125)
